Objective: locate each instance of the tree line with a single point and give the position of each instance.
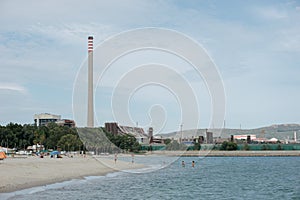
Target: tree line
(19, 136)
(54, 136)
(99, 140)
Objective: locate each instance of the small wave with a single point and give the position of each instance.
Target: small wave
(147, 169)
(5, 196)
(114, 174)
(90, 178)
(59, 185)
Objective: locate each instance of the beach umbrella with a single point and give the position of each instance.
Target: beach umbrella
(54, 153)
(2, 155)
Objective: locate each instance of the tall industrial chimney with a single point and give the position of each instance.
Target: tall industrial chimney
(90, 113)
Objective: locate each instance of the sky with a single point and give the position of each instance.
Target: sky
(255, 46)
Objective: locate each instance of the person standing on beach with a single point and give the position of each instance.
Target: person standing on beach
(116, 157)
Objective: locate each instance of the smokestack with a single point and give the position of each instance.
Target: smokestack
(90, 113)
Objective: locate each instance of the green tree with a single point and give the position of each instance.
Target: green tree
(125, 142)
(54, 133)
(224, 146)
(197, 146)
(246, 147)
(28, 133)
(16, 135)
(228, 146)
(167, 141)
(69, 142)
(174, 145)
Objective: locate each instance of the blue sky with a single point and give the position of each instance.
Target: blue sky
(254, 44)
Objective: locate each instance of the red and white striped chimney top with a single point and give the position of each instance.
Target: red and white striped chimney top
(90, 44)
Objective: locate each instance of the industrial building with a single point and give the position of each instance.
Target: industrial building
(66, 122)
(45, 118)
(244, 137)
(209, 138)
(137, 132)
(153, 139)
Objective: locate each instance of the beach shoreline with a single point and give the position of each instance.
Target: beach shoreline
(24, 173)
(27, 172)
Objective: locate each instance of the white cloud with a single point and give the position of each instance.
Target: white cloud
(13, 87)
(271, 13)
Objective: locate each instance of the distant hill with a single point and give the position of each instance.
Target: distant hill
(279, 131)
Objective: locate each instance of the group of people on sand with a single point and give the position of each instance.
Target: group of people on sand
(183, 163)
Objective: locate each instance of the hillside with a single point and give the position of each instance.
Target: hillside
(280, 131)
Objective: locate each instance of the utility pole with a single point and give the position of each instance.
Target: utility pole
(181, 125)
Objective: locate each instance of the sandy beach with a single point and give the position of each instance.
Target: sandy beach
(22, 173)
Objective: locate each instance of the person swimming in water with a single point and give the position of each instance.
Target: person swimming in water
(183, 164)
(193, 163)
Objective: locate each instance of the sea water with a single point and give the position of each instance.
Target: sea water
(211, 178)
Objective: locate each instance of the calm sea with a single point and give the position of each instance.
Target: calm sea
(211, 178)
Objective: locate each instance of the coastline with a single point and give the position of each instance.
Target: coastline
(27, 172)
(228, 153)
(23, 173)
